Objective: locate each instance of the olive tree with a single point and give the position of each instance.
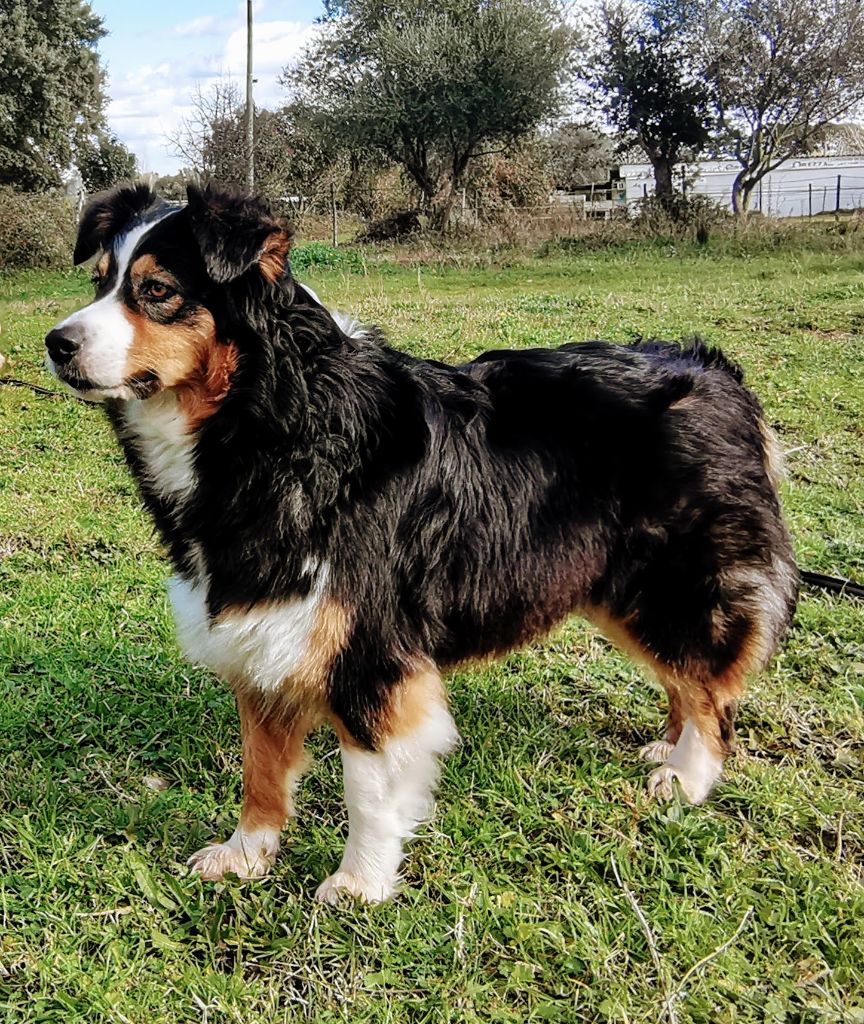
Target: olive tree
(51, 89)
(433, 86)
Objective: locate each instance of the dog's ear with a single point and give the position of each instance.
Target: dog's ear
(236, 232)
(106, 216)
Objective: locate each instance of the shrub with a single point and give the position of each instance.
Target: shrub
(393, 227)
(36, 230)
(320, 254)
(679, 214)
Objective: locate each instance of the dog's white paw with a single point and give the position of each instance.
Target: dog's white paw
(660, 785)
(344, 887)
(658, 751)
(214, 862)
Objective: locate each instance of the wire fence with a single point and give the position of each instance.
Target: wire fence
(821, 194)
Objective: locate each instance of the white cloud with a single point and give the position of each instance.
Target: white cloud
(149, 101)
(208, 25)
(275, 44)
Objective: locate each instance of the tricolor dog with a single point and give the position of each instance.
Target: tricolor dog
(347, 522)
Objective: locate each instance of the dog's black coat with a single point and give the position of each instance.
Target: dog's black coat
(463, 510)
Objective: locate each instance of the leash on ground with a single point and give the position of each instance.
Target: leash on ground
(817, 580)
(12, 382)
(833, 584)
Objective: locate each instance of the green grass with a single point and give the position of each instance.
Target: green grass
(512, 909)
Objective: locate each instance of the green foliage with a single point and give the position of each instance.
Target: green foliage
(516, 179)
(432, 86)
(51, 89)
(294, 161)
(35, 230)
(678, 214)
(579, 155)
(651, 96)
(105, 162)
(320, 255)
(511, 912)
(779, 70)
(173, 186)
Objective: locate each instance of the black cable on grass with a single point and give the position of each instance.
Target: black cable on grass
(818, 580)
(11, 382)
(833, 584)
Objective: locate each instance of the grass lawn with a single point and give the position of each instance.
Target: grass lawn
(118, 760)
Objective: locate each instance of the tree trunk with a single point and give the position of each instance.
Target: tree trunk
(742, 193)
(444, 210)
(428, 187)
(662, 176)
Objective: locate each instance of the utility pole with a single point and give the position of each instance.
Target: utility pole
(250, 104)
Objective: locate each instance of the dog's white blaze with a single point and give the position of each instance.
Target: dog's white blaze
(106, 334)
(262, 647)
(696, 767)
(160, 433)
(388, 794)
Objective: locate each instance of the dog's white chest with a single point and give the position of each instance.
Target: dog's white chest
(159, 433)
(261, 647)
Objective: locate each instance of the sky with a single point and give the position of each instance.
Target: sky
(158, 51)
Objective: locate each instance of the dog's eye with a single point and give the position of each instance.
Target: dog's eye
(157, 291)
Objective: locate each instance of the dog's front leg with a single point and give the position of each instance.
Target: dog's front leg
(273, 761)
(389, 792)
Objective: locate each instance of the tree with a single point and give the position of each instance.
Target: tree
(841, 139)
(780, 70)
(651, 93)
(51, 89)
(433, 86)
(105, 162)
(212, 139)
(173, 186)
(293, 161)
(579, 155)
(516, 179)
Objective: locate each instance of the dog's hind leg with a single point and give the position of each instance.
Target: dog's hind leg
(273, 761)
(389, 791)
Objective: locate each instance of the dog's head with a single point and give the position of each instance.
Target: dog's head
(159, 278)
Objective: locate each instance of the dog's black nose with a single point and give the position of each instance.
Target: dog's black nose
(61, 347)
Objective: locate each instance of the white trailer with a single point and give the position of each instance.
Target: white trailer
(801, 187)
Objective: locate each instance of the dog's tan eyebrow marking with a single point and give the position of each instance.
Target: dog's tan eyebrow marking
(146, 267)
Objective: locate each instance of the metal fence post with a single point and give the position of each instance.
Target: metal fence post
(333, 214)
(837, 204)
(809, 198)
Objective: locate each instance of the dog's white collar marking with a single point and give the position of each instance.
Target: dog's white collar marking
(262, 647)
(159, 432)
